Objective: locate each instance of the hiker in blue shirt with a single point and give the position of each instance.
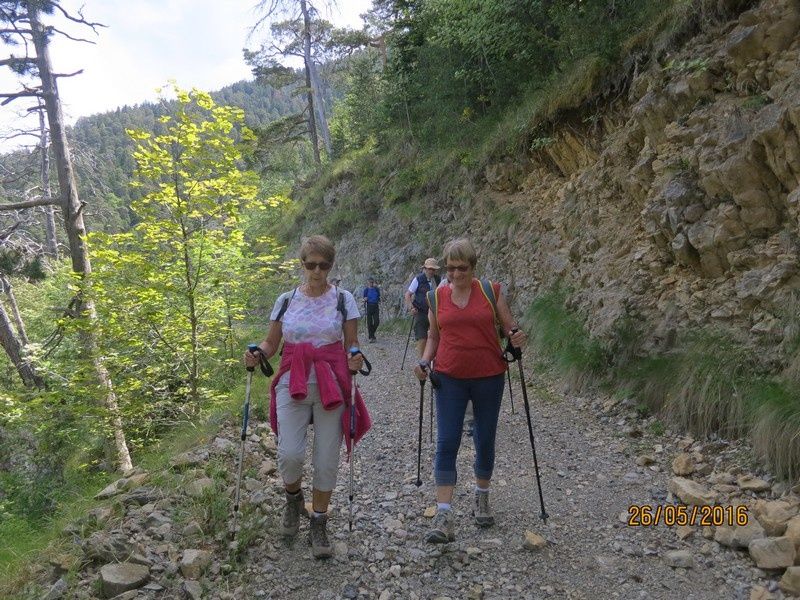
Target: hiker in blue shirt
(372, 300)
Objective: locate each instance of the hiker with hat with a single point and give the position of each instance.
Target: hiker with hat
(417, 302)
(372, 299)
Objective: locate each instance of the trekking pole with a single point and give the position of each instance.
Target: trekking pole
(408, 340)
(510, 391)
(431, 412)
(516, 354)
(419, 437)
(352, 433)
(245, 419)
(434, 386)
(353, 352)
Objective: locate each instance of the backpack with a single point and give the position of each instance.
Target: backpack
(488, 291)
(423, 288)
(340, 306)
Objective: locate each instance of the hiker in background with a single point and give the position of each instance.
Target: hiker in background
(469, 363)
(372, 299)
(417, 302)
(313, 381)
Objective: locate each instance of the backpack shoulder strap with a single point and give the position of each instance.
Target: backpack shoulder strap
(488, 290)
(433, 303)
(285, 305)
(340, 305)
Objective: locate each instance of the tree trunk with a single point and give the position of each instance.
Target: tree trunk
(72, 209)
(312, 124)
(5, 284)
(51, 248)
(14, 350)
(319, 105)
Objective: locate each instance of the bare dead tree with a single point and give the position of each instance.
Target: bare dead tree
(44, 174)
(14, 343)
(24, 28)
(303, 12)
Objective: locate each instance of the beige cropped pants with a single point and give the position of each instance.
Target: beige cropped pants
(294, 417)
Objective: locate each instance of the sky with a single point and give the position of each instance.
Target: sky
(147, 43)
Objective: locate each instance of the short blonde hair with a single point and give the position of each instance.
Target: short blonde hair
(460, 249)
(317, 244)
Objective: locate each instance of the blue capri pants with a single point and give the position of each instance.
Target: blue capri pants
(486, 394)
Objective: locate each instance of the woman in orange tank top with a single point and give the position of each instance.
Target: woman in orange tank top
(463, 340)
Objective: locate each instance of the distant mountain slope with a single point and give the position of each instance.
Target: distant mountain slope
(103, 151)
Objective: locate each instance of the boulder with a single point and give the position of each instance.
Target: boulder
(691, 492)
(194, 563)
(736, 536)
(683, 464)
(772, 553)
(679, 558)
(774, 515)
(753, 484)
(533, 541)
(199, 486)
(118, 578)
(790, 582)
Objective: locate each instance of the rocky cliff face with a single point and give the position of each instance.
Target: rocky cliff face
(677, 204)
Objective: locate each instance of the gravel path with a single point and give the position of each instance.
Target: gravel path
(589, 475)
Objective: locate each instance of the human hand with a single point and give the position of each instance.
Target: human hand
(518, 338)
(251, 359)
(355, 362)
(421, 370)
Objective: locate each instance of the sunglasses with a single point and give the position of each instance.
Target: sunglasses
(459, 268)
(324, 266)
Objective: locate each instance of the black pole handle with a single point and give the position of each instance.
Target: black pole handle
(266, 368)
(367, 368)
(252, 349)
(512, 353)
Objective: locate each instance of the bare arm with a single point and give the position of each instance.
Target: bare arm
(350, 329)
(518, 338)
(269, 346)
(351, 334)
(409, 305)
(431, 346)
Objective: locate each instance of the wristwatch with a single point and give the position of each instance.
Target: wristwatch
(425, 364)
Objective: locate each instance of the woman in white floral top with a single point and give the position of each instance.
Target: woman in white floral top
(318, 323)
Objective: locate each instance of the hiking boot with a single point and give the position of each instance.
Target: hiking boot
(442, 528)
(318, 535)
(470, 428)
(483, 514)
(291, 513)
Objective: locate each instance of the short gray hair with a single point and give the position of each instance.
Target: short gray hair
(317, 244)
(461, 249)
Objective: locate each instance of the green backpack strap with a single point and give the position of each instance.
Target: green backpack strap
(488, 291)
(433, 303)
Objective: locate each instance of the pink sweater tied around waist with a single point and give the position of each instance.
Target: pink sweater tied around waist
(333, 378)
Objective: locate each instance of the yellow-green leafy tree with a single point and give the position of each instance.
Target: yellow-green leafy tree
(171, 289)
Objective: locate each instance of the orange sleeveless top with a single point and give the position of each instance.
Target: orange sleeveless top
(468, 344)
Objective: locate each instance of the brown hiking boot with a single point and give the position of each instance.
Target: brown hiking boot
(291, 513)
(442, 529)
(483, 514)
(318, 535)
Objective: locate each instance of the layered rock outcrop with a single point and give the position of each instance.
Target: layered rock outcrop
(678, 204)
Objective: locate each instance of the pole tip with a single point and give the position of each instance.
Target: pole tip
(419, 482)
